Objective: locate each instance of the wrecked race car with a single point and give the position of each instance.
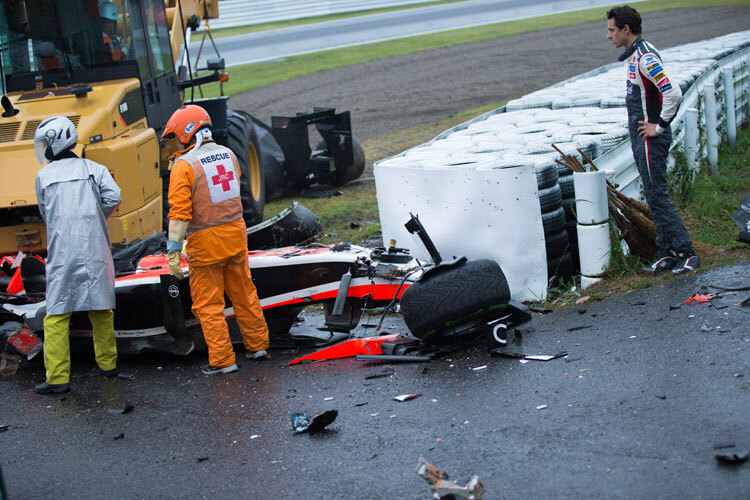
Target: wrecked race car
(154, 308)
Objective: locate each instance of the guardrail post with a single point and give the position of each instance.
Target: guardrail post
(692, 150)
(712, 134)
(728, 75)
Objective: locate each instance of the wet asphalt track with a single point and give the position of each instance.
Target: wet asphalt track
(625, 418)
(635, 411)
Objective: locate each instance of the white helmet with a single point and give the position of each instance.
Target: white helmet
(108, 10)
(53, 136)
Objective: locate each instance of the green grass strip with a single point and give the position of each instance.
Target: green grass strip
(246, 77)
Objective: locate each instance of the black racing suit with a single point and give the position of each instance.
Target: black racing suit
(651, 96)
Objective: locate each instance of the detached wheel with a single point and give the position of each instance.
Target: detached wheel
(434, 307)
(243, 142)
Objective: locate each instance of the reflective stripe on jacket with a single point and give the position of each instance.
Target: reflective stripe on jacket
(217, 230)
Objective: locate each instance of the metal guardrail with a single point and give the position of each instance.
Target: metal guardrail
(234, 13)
(620, 160)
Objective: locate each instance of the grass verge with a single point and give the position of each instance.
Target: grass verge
(250, 76)
(707, 212)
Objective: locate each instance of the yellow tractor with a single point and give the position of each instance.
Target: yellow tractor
(109, 66)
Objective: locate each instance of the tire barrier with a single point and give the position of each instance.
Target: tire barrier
(586, 112)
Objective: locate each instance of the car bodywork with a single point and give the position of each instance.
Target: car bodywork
(154, 308)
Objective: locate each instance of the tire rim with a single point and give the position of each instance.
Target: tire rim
(253, 171)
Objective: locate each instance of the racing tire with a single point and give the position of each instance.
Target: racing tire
(553, 221)
(563, 171)
(557, 244)
(243, 142)
(560, 267)
(433, 307)
(567, 186)
(546, 175)
(550, 198)
(569, 207)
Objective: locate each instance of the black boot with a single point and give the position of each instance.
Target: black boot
(686, 264)
(661, 265)
(45, 388)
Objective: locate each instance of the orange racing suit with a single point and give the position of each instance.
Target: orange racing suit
(204, 191)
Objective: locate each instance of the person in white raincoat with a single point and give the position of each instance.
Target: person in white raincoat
(75, 197)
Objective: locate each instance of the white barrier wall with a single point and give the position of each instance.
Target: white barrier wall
(490, 213)
(585, 112)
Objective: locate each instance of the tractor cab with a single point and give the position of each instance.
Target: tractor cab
(107, 65)
(52, 44)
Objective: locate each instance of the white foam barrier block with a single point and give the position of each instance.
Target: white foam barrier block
(591, 197)
(594, 248)
(492, 213)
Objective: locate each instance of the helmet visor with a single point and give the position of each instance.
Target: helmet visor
(40, 147)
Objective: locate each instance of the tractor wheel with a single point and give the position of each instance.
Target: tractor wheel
(433, 307)
(243, 142)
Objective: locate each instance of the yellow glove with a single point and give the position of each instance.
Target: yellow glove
(174, 265)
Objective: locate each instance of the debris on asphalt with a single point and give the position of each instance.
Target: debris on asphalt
(640, 303)
(529, 357)
(126, 376)
(9, 363)
(660, 396)
(302, 423)
(717, 303)
(349, 348)
(541, 407)
(478, 368)
(697, 297)
(4, 428)
(568, 359)
(24, 342)
(127, 408)
(360, 404)
(202, 459)
(673, 307)
(119, 436)
(387, 371)
(719, 446)
(406, 397)
(574, 328)
(541, 310)
(394, 358)
(442, 488)
(734, 457)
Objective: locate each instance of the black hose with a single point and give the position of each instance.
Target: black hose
(395, 296)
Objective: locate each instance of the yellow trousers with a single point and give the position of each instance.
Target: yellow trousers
(57, 344)
(207, 287)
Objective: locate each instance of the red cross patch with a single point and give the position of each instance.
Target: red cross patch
(222, 177)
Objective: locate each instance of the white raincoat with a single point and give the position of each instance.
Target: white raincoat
(75, 198)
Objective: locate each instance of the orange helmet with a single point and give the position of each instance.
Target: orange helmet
(185, 122)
